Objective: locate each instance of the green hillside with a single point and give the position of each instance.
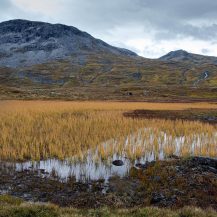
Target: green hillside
(109, 76)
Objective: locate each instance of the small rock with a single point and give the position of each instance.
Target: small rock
(129, 93)
(42, 171)
(118, 163)
(212, 169)
(140, 166)
(172, 156)
(156, 198)
(27, 196)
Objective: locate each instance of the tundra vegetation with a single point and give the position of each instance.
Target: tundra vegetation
(36, 130)
(10, 206)
(39, 130)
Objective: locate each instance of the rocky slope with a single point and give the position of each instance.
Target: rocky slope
(25, 43)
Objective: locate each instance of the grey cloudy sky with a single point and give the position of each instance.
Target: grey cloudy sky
(149, 27)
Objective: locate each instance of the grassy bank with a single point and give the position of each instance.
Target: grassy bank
(12, 207)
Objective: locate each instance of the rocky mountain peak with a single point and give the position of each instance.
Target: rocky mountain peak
(24, 43)
(175, 55)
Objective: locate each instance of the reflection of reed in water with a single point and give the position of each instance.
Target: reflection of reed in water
(146, 145)
(160, 144)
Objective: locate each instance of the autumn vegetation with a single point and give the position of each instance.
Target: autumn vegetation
(34, 130)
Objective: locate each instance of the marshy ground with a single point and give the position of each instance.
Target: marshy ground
(174, 183)
(63, 153)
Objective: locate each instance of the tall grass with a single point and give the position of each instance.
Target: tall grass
(40, 129)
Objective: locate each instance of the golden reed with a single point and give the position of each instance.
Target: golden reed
(34, 130)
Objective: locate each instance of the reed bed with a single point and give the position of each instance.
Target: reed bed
(35, 130)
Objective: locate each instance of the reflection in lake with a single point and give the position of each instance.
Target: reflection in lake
(82, 171)
(97, 164)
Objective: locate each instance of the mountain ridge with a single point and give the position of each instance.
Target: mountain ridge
(182, 55)
(24, 42)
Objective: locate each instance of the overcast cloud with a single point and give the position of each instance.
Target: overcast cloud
(149, 27)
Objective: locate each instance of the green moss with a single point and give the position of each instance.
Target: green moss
(101, 72)
(8, 200)
(34, 210)
(31, 211)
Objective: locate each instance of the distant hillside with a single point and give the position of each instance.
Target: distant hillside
(25, 43)
(184, 56)
(53, 61)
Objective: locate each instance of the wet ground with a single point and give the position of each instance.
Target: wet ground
(204, 115)
(171, 183)
(86, 170)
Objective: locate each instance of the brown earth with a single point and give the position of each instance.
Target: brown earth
(204, 115)
(173, 183)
